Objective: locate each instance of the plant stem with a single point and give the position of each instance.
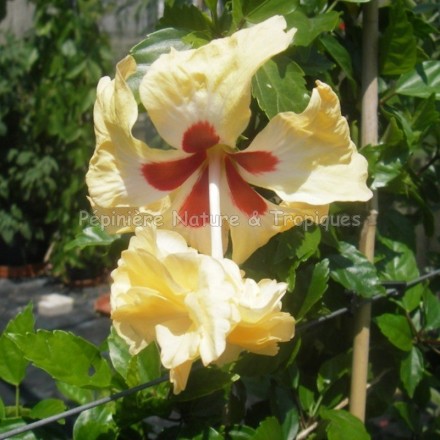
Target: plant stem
(215, 220)
(17, 401)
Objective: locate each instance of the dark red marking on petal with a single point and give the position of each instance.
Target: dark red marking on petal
(244, 197)
(199, 137)
(166, 176)
(256, 162)
(195, 209)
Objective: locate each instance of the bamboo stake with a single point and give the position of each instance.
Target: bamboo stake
(369, 125)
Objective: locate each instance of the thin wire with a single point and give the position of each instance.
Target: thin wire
(401, 286)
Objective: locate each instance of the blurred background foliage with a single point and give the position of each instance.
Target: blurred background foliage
(46, 94)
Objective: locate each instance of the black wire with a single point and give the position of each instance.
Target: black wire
(79, 409)
(399, 288)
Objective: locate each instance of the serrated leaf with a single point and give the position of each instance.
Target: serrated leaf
(422, 82)
(269, 428)
(339, 53)
(13, 364)
(46, 408)
(343, 425)
(352, 269)
(310, 28)
(397, 330)
(66, 357)
(279, 86)
(92, 236)
(411, 370)
(316, 289)
(95, 423)
(399, 34)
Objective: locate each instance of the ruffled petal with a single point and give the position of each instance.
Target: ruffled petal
(179, 376)
(313, 158)
(123, 170)
(199, 98)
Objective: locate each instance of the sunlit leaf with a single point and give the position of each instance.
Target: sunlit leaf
(92, 236)
(411, 370)
(46, 408)
(12, 361)
(279, 86)
(95, 423)
(396, 329)
(343, 425)
(66, 357)
(422, 82)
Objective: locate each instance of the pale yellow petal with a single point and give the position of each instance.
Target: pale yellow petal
(317, 161)
(179, 376)
(211, 84)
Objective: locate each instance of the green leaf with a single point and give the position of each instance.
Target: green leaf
(95, 423)
(118, 352)
(422, 82)
(92, 236)
(75, 393)
(149, 50)
(397, 330)
(399, 34)
(268, 8)
(284, 407)
(310, 28)
(332, 370)
(46, 408)
(66, 357)
(306, 398)
(12, 361)
(269, 428)
(411, 370)
(184, 16)
(279, 86)
(316, 288)
(339, 53)
(431, 308)
(241, 432)
(343, 425)
(2, 410)
(298, 244)
(10, 424)
(352, 269)
(409, 415)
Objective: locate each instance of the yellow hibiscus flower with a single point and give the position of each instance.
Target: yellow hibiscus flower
(198, 101)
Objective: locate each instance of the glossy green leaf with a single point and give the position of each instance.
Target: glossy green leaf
(241, 432)
(409, 415)
(279, 86)
(66, 357)
(399, 34)
(431, 307)
(12, 361)
(398, 261)
(92, 236)
(2, 410)
(310, 28)
(343, 425)
(339, 53)
(411, 370)
(306, 398)
(397, 330)
(185, 16)
(96, 423)
(259, 12)
(352, 269)
(119, 354)
(75, 393)
(269, 428)
(422, 82)
(149, 50)
(316, 288)
(46, 408)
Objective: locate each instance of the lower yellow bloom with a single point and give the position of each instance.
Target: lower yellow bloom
(192, 305)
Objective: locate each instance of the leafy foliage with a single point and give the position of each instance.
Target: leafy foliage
(305, 385)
